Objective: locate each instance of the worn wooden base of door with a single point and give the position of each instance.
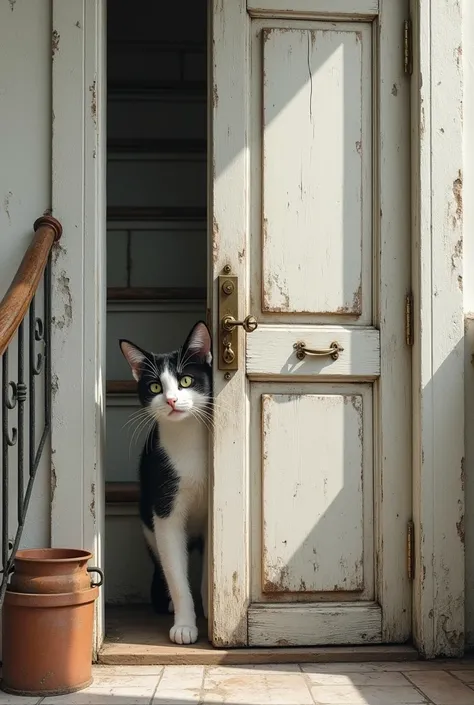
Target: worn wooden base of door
(134, 636)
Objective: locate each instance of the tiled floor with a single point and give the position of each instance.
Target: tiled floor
(415, 683)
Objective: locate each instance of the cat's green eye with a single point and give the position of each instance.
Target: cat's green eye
(186, 381)
(155, 388)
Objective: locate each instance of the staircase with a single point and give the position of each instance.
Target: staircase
(156, 232)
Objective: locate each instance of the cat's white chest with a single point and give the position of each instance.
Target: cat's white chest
(186, 445)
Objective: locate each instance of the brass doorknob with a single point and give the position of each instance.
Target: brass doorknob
(249, 324)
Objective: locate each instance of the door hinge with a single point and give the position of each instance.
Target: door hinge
(410, 550)
(407, 47)
(409, 319)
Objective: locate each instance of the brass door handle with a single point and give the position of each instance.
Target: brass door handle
(333, 351)
(249, 324)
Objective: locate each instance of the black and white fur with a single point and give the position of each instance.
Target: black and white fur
(174, 465)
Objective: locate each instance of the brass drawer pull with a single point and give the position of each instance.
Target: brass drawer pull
(333, 351)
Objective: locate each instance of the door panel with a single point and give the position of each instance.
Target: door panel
(311, 450)
(300, 625)
(316, 167)
(271, 351)
(317, 530)
(351, 8)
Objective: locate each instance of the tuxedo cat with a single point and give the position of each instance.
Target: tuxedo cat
(175, 392)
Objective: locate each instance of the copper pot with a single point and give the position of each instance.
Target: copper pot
(47, 642)
(52, 570)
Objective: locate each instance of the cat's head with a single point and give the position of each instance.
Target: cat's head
(177, 385)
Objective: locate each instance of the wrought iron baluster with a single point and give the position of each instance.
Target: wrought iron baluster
(32, 384)
(38, 359)
(5, 435)
(21, 398)
(47, 344)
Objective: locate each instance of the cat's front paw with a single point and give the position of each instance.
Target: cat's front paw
(180, 634)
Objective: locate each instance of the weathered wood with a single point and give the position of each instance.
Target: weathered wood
(438, 390)
(393, 453)
(270, 351)
(79, 280)
(346, 9)
(297, 295)
(17, 299)
(135, 636)
(320, 460)
(313, 515)
(229, 91)
(317, 171)
(295, 625)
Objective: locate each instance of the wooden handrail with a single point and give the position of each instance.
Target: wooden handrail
(25, 283)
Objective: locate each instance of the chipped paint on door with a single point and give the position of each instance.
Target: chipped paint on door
(311, 450)
(313, 469)
(317, 163)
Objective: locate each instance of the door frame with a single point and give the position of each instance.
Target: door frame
(438, 351)
(79, 306)
(79, 280)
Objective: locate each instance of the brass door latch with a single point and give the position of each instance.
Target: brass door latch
(229, 323)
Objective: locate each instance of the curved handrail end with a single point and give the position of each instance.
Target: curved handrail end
(48, 221)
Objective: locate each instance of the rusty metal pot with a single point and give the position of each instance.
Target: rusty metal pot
(47, 642)
(53, 570)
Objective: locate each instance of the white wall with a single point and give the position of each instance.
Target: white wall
(468, 288)
(25, 187)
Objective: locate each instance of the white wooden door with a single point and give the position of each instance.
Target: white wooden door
(310, 209)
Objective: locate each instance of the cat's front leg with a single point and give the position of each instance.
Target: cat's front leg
(171, 541)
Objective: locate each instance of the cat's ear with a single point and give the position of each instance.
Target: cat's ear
(198, 343)
(135, 357)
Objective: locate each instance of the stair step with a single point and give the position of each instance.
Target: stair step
(122, 492)
(121, 386)
(156, 90)
(156, 294)
(152, 146)
(153, 214)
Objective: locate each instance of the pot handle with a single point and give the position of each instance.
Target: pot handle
(101, 576)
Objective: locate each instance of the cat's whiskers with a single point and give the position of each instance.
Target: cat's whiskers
(207, 417)
(132, 442)
(201, 420)
(141, 426)
(151, 367)
(218, 403)
(134, 417)
(218, 420)
(141, 423)
(182, 363)
(201, 415)
(135, 431)
(179, 366)
(149, 437)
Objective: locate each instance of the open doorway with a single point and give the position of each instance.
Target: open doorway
(156, 252)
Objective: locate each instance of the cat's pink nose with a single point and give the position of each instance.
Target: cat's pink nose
(171, 402)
